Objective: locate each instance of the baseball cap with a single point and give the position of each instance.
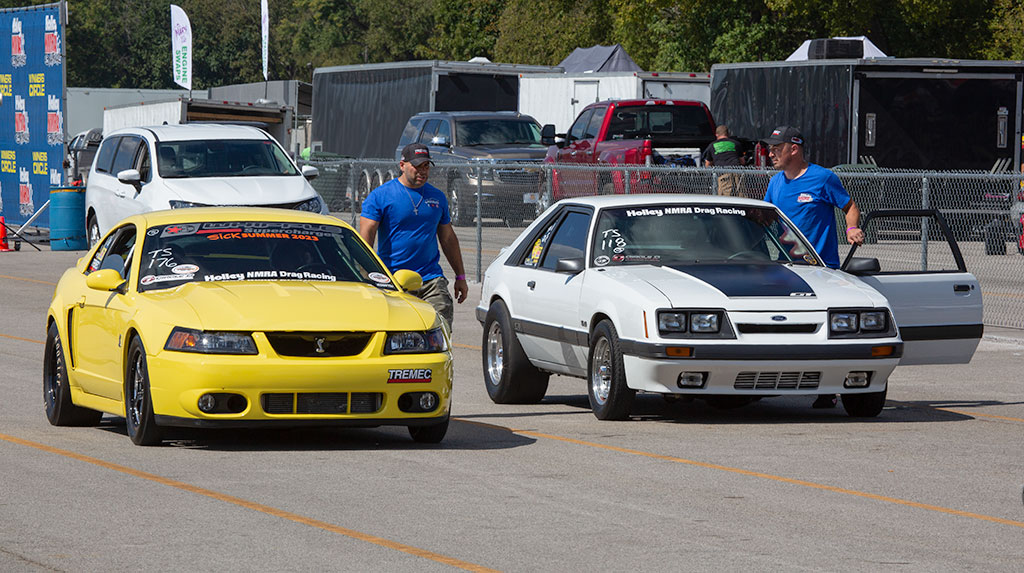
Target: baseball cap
(416, 154)
(785, 134)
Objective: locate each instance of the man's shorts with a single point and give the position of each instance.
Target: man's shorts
(435, 291)
(729, 184)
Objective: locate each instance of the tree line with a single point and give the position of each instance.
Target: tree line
(127, 44)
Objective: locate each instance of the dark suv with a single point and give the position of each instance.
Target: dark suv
(497, 143)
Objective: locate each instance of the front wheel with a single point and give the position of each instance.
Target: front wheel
(508, 374)
(610, 397)
(138, 402)
(864, 405)
(60, 410)
(429, 434)
(94, 230)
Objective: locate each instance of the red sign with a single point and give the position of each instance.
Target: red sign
(17, 47)
(20, 122)
(52, 122)
(50, 43)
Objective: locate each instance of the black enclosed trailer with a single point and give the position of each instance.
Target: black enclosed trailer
(360, 110)
(890, 112)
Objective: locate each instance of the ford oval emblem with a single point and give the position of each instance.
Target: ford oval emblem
(779, 318)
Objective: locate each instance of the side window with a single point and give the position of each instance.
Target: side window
(594, 125)
(569, 241)
(579, 128)
(409, 134)
(532, 258)
(428, 131)
(106, 154)
(116, 251)
(126, 153)
(444, 129)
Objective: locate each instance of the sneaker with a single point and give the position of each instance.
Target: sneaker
(825, 401)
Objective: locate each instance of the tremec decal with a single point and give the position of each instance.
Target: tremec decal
(409, 376)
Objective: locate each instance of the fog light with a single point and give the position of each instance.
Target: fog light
(691, 379)
(856, 380)
(207, 403)
(428, 401)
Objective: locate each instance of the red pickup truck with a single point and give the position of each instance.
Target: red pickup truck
(626, 132)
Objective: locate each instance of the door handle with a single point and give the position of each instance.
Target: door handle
(961, 288)
(530, 284)
(81, 302)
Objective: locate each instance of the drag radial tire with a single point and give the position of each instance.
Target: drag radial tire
(508, 374)
(60, 411)
(138, 404)
(610, 397)
(864, 405)
(429, 434)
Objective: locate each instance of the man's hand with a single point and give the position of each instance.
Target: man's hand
(461, 290)
(855, 236)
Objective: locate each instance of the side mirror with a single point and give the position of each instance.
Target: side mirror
(408, 280)
(862, 266)
(105, 280)
(547, 135)
(440, 141)
(310, 172)
(571, 266)
(131, 177)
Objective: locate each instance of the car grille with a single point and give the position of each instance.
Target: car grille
(777, 328)
(321, 402)
(776, 380)
(517, 176)
(319, 344)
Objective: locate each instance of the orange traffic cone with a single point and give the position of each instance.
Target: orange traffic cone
(4, 247)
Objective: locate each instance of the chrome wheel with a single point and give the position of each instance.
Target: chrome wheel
(136, 392)
(601, 371)
(94, 232)
(495, 354)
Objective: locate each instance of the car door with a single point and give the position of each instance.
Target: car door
(124, 199)
(102, 184)
(936, 303)
(571, 181)
(545, 303)
(99, 320)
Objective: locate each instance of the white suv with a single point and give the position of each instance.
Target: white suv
(196, 165)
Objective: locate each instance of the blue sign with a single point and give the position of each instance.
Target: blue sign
(32, 109)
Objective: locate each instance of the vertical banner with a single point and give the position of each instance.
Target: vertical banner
(181, 47)
(265, 22)
(31, 105)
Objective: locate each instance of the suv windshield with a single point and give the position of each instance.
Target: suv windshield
(668, 234)
(222, 158)
(497, 132)
(256, 251)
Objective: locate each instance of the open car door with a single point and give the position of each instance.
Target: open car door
(936, 303)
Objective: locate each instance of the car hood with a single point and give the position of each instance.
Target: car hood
(249, 191)
(293, 306)
(746, 286)
(502, 152)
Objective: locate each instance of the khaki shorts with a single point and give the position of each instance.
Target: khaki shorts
(729, 184)
(435, 291)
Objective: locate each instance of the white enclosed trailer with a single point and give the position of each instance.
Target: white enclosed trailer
(557, 98)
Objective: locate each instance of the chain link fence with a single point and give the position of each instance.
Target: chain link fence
(492, 202)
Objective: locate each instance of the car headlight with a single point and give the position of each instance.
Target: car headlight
(208, 342)
(415, 342)
(842, 322)
(853, 322)
(313, 205)
(692, 321)
(184, 204)
(873, 321)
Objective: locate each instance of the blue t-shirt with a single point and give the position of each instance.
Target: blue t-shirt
(810, 202)
(407, 235)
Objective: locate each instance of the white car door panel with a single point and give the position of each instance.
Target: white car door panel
(549, 316)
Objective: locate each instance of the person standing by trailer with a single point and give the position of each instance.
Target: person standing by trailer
(724, 152)
(809, 195)
(410, 217)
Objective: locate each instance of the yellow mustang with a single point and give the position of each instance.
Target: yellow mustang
(229, 317)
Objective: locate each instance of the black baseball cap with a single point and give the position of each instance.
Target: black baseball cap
(785, 134)
(416, 154)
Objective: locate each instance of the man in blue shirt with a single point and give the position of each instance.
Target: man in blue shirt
(809, 195)
(410, 217)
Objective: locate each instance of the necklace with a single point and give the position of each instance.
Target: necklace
(415, 205)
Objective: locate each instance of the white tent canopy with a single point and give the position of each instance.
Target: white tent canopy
(870, 50)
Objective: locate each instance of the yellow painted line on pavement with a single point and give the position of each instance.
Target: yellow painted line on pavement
(469, 346)
(27, 280)
(380, 541)
(776, 478)
(21, 339)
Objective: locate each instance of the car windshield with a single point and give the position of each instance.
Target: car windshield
(674, 233)
(666, 122)
(256, 251)
(222, 158)
(497, 132)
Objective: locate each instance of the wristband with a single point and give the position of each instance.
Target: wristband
(851, 227)
(460, 277)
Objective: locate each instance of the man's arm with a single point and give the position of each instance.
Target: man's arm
(368, 229)
(854, 234)
(453, 252)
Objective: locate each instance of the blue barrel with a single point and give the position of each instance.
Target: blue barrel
(67, 219)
